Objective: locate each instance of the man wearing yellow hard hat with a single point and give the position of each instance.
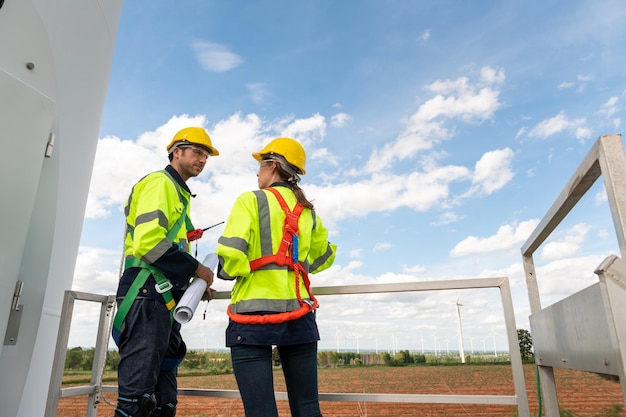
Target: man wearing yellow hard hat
(158, 266)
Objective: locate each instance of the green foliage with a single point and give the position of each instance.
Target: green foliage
(207, 362)
(275, 356)
(403, 358)
(327, 359)
(525, 344)
(79, 359)
(112, 360)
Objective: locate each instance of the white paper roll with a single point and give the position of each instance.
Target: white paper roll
(188, 303)
(211, 261)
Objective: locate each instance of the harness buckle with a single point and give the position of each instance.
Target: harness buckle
(164, 286)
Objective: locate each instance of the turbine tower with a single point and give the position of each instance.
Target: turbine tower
(458, 306)
(493, 337)
(458, 315)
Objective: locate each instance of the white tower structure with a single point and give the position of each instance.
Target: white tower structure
(55, 61)
(458, 315)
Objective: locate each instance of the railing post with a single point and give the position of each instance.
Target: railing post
(59, 355)
(100, 355)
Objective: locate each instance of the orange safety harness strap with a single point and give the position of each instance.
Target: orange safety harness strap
(287, 255)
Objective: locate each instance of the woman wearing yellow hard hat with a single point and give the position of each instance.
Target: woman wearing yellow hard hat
(271, 242)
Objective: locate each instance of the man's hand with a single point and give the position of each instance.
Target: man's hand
(205, 273)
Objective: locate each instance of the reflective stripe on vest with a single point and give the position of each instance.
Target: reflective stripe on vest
(163, 285)
(286, 256)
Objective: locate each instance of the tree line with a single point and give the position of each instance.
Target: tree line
(80, 359)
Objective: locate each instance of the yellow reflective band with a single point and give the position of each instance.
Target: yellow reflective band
(170, 304)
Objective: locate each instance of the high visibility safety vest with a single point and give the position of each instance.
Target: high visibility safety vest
(271, 256)
(157, 215)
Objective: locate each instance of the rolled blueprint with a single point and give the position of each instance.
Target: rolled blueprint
(188, 303)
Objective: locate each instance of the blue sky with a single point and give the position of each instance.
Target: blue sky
(438, 134)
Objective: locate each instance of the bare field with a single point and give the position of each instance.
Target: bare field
(583, 394)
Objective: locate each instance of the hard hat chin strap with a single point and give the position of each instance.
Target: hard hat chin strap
(294, 178)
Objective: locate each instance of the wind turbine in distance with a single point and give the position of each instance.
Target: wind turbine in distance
(458, 315)
(493, 337)
(460, 330)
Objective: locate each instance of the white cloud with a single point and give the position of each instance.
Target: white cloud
(414, 270)
(568, 246)
(323, 154)
(380, 246)
(447, 218)
(582, 133)
(564, 277)
(581, 81)
(97, 270)
(454, 99)
(425, 35)
(492, 76)
(119, 163)
(258, 92)
(493, 171)
(558, 124)
(508, 237)
(600, 197)
(215, 57)
(609, 108)
(340, 119)
(417, 190)
(307, 131)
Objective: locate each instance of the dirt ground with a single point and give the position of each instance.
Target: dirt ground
(582, 394)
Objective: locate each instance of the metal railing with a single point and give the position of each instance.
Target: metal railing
(95, 388)
(587, 330)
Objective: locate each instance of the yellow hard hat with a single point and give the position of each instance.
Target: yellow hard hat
(289, 149)
(193, 135)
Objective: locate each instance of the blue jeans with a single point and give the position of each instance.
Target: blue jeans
(252, 366)
(151, 348)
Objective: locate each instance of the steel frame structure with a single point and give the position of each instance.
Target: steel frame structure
(587, 330)
(95, 388)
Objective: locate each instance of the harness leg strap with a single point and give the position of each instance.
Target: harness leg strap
(167, 410)
(144, 406)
